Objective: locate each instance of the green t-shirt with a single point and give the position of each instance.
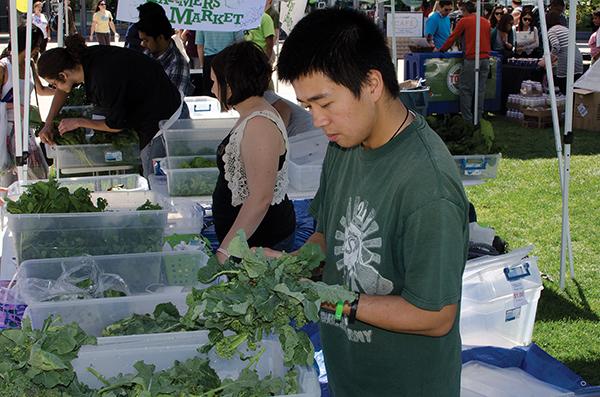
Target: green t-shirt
(395, 220)
(260, 34)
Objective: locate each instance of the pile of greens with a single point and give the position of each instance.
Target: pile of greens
(77, 97)
(38, 362)
(263, 296)
(144, 234)
(119, 140)
(165, 318)
(462, 137)
(192, 183)
(198, 162)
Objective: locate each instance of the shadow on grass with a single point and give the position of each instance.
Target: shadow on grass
(587, 369)
(554, 306)
(518, 142)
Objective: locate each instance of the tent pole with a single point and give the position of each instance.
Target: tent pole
(60, 34)
(477, 49)
(568, 139)
(552, 93)
(26, 99)
(14, 45)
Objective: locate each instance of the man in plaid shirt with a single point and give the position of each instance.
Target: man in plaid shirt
(155, 33)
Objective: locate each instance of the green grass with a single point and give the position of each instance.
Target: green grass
(524, 205)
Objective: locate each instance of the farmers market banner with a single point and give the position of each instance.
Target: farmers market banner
(208, 15)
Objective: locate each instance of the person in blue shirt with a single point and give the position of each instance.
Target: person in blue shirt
(437, 27)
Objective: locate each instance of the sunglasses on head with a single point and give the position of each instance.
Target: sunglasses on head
(499, 13)
(527, 19)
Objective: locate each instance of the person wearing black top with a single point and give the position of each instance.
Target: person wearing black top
(131, 87)
(250, 193)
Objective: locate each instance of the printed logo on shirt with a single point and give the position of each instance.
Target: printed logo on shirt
(353, 335)
(357, 238)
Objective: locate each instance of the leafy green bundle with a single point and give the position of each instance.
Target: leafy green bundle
(198, 162)
(261, 297)
(51, 198)
(38, 362)
(462, 137)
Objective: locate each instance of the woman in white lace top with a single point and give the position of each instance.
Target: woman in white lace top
(250, 194)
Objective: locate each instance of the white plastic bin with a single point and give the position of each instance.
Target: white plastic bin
(122, 230)
(106, 183)
(307, 152)
(202, 106)
(118, 354)
(95, 155)
(193, 142)
(220, 125)
(499, 300)
(141, 272)
(189, 181)
(93, 315)
(475, 167)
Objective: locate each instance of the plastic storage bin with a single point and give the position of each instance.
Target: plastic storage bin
(220, 125)
(189, 181)
(121, 230)
(202, 106)
(475, 167)
(499, 300)
(94, 156)
(307, 152)
(108, 183)
(193, 142)
(116, 355)
(93, 315)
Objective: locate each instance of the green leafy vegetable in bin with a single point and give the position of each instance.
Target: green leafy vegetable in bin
(198, 162)
(146, 235)
(192, 184)
(165, 318)
(38, 362)
(148, 206)
(119, 140)
(261, 297)
(51, 198)
(462, 137)
(76, 97)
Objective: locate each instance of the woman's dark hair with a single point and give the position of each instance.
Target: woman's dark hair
(57, 60)
(244, 69)
(493, 21)
(505, 24)
(98, 5)
(344, 45)
(527, 14)
(36, 39)
(552, 19)
(597, 15)
(470, 7)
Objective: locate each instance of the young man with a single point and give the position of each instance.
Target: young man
(391, 215)
(437, 28)
(155, 33)
(465, 30)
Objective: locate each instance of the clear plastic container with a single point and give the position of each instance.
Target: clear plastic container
(141, 272)
(107, 183)
(93, 315)
(202, 106)
(221, 125)
(189, 181)
(92, 156)
(499, 300)
(307, 152)
(118, 354)
(475, 167)
(193, 142)
(122, 230)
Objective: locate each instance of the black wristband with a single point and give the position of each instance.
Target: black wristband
(353, 308)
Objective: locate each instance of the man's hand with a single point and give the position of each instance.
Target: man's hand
(2, 191)
(47, 134)
(67, 125)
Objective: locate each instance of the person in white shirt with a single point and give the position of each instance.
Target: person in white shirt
(40, 20)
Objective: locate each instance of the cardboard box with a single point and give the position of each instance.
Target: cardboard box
(586, 109)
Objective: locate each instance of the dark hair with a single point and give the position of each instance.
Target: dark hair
(57, 60)
(36, 39)
(98, 5)
(560, 3)
(344, 45)
(150, 9)
(444, 3)
(493, 21)
(531, 24)
(596, 13)
(469, 6)
(552, 19)
(155, 25)
(243, 68)
(505, 24)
